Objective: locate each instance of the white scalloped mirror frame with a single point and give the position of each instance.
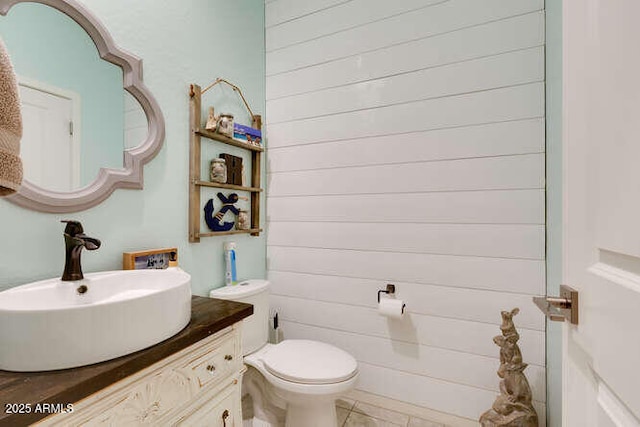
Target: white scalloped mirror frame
(131, 176)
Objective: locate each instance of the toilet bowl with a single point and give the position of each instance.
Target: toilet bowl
(306, 377)
(302, 377)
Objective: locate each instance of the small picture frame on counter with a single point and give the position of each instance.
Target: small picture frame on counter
(153, 259)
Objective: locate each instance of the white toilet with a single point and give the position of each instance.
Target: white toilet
(301, 377)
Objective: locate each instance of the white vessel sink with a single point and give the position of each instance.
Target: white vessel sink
(49, 325)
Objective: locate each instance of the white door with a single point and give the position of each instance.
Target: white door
(601, 254)
(48, 150)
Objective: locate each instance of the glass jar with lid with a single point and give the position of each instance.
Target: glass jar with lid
(218, 171)
(225, 124)
(243, 220)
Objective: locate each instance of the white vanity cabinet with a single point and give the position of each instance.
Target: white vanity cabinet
(198, 386)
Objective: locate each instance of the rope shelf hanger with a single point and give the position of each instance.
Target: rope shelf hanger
(256, 119)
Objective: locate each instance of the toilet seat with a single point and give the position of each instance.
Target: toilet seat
(309, 362)
(256, 358)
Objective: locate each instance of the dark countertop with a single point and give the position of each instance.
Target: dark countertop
(208, 316)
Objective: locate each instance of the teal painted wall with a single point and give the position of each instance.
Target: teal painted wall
(180, 43)
(47, 46)
(554, 203)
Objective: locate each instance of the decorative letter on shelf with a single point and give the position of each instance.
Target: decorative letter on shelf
(213, 221)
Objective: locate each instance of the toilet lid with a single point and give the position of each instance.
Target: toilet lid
(309, 362)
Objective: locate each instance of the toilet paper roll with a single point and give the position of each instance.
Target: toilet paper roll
(391, 307)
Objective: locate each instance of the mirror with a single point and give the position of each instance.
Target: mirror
(89, 124)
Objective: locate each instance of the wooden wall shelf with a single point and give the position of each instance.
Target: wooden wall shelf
(195, 171)
(252, 231)
(230, 141)
(228, 186)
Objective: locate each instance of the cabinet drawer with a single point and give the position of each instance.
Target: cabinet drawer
(223, 410)
(217, 364)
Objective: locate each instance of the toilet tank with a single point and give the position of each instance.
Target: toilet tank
(255, 328)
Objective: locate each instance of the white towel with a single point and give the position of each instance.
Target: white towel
(10, 127)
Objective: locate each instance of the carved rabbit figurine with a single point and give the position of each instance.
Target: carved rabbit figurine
(513, 407)
(509, 352)
(507, 326)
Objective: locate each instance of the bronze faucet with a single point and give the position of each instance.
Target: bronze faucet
(74, 241)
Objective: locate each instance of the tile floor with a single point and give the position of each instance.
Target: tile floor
(352, 413)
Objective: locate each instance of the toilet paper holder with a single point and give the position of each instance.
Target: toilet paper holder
(391, 289)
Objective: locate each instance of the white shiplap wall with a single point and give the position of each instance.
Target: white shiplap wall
(406, 145)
